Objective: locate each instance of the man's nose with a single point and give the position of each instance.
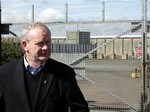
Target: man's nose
(46, 46)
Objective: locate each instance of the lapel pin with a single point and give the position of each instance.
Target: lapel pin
(45, 82)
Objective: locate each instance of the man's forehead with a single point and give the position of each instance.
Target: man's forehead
(39, 31)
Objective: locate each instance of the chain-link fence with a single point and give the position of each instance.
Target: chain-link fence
(107, 58)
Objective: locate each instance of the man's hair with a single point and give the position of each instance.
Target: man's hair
(31, 26)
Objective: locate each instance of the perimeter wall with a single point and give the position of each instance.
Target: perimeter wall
(122, 48)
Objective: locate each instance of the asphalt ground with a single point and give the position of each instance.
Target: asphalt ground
(108, 86)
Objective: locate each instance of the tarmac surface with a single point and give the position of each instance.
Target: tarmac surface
(108, 86)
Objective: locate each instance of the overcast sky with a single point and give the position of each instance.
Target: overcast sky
(78, 10)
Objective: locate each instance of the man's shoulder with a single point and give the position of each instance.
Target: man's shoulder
(58, 64)
(10, 64)
(60, 68)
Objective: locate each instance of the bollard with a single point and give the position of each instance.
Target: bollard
(136, 73)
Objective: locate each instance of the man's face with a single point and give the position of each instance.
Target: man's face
(38, 45)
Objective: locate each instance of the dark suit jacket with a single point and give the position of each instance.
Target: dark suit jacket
(147, 109)
(57, 92)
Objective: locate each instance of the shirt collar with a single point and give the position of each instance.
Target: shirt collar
(27, 64)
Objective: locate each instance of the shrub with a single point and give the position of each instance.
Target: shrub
(10, 52)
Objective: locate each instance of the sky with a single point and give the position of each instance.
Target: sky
(20, 11)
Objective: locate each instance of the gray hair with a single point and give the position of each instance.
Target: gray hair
(31, 26)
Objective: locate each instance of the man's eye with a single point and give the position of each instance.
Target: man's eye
(47, 42)
(42, 43)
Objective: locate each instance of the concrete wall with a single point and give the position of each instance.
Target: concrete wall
(121, 48)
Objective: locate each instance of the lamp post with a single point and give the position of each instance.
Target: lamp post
(0, 34)
(4, 29)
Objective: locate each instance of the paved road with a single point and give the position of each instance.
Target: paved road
(108, 85)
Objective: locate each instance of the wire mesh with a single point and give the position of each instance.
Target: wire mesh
(105, 67)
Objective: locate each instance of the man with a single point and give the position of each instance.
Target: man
(147, 108)
(37, 83)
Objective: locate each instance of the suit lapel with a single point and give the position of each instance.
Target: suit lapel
(45, 83)
(20, 85)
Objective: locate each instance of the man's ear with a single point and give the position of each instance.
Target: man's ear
(24, 45)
